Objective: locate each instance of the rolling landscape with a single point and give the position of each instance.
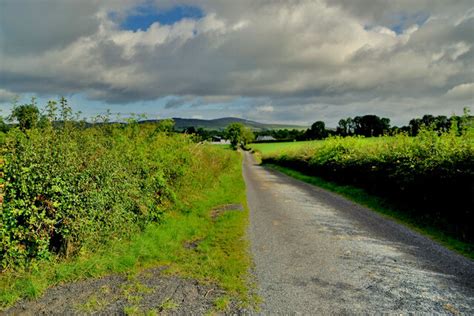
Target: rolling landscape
(222, 123)
(358, 201)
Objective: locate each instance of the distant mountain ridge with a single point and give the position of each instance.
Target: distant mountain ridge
(222, 123)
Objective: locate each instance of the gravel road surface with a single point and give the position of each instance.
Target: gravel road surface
(318, 253)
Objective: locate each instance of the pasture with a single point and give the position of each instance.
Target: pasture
(277, 147)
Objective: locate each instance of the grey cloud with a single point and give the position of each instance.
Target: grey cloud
(399, 110)
(174, 103)
(463, 91)
(178, 102)
(32, 27)
(388, 12)
(6, 96)
(296, 54)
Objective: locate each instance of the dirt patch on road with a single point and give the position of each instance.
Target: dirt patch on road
(148, 293)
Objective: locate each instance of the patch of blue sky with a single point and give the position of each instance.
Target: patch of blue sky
(403, 21)
(145, 15)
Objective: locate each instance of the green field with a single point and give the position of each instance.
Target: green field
(275, 148)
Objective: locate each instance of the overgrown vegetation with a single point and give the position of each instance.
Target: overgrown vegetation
(218, 256)
(430, 176)
(69, 188)
(117, 198)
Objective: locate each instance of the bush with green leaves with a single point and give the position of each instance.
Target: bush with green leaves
(70, 188)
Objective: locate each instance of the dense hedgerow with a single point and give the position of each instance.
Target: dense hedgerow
(431, 175)
(70, 188)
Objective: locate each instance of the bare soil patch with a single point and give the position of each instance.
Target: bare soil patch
(150, 292)
(218, 211)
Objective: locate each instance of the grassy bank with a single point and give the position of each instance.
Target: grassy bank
(219, 253)
(384, 207)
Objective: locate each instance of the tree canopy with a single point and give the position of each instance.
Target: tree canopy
(317, 130)
(239, 135)
(27, 115)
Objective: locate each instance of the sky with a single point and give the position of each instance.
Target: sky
(279, 61)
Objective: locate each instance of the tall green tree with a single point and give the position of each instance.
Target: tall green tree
(248, 136)
(317, 130)
(371, 125)
(385, 125)
(239, 135)
(27, 115)
(343, 127)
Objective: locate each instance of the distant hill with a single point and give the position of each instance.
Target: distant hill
(221, 123)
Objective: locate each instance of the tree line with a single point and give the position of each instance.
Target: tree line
(371, 126)
(29, 115)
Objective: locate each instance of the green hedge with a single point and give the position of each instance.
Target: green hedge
(430, 176)
(70, 188)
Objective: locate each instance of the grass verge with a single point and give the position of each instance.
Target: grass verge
(380, 205)
(220, 254)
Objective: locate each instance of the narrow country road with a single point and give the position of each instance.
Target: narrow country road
(317, 253)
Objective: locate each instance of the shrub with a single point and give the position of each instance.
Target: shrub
(69, 187)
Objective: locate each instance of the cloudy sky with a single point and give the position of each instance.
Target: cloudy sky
(272, 61)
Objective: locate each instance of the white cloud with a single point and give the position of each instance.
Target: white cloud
(463, 91)
(265, 108)
(296, 54)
